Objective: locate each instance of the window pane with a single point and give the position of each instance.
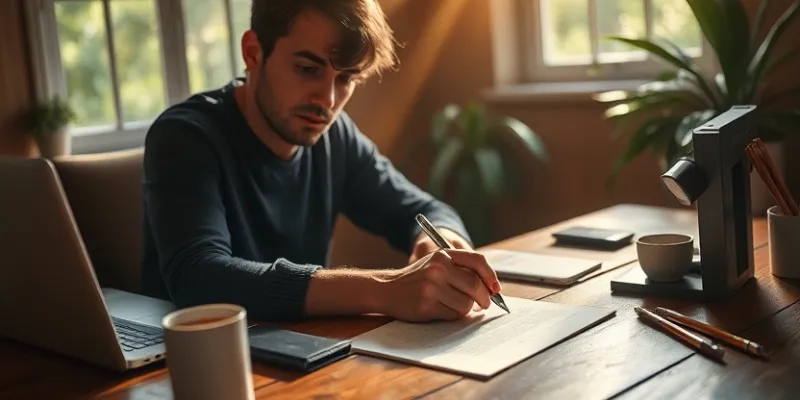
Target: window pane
(84, 57)
(138, 53)
(673, 20)
(241, 23)
(207, 47)
(619, 18)
(565, 32)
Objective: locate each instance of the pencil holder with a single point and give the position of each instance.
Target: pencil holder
(784, 244)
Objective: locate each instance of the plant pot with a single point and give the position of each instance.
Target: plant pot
(55, 144)
(760, 196)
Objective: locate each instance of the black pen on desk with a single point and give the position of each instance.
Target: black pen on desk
(440, 241)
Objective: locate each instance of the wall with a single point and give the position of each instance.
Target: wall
(16, 87)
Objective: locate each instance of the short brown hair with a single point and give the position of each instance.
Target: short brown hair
(367, 40)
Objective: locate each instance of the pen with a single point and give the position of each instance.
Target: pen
(745, 345)
(440, 241)
(700, 344)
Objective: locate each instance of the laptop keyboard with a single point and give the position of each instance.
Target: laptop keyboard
(133, 335)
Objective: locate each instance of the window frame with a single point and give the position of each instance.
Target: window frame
(50, 80)
(533, 69)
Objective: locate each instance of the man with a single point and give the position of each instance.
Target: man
(242, 185)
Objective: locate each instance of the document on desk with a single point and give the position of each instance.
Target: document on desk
(485, 342)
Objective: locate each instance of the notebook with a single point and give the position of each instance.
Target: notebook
(483, 343)
(532, 267)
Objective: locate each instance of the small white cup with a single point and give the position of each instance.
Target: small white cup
(784, 244)
(208, 353)
(665, 257)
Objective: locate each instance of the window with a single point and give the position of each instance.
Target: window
(565, 40)
(120, 63)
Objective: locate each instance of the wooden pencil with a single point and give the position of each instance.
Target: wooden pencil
(755, 159)
(776, 175)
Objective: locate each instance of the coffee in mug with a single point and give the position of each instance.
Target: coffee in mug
(208, 353)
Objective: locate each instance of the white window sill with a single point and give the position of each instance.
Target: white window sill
(101, 142)
(556, 92)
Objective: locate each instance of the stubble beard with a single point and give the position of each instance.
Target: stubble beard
(280, 126)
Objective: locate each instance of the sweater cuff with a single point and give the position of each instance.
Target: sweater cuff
(290, 294)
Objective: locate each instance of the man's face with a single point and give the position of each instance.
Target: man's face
(297, 91)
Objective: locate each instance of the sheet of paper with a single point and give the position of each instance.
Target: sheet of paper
(484, 342)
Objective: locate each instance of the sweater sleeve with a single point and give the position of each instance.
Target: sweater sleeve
(380, 199)
(182, 194)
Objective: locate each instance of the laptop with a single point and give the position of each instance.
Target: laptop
(49, 294)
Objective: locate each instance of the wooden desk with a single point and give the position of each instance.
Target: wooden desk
(622, 356)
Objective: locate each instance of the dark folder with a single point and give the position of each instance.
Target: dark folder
(295, 350)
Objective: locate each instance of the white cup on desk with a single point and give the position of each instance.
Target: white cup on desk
(208, 353)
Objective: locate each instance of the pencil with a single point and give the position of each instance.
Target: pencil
(696, 342)
(742, 344)
(761, 160)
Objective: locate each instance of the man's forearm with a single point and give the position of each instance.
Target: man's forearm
(345, 292)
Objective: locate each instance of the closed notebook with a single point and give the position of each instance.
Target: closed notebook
(295, 350)
(532, 267)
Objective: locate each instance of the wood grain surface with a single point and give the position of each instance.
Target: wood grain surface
(742, 376)
(621, 356)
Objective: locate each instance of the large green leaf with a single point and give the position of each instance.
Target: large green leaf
(446, 160)
(442, 123)
(473, 119)
(737, 43)
(710, 18)
(722, 86)
(529, 139)
(669, 58)
(655, 50)
(758, 23)
(636, 108)
(679, 52)
(510, 168)
(667, 76)
(758, 64)
(489, 163)
(683, 134)
(648, 133)
(646, 94)
(472, 204)
(660, 109)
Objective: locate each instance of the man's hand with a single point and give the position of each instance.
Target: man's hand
(443, 285)
(425, 245)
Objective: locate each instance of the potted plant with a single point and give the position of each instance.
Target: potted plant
(472, 155)
(665, 111)
(48, 122)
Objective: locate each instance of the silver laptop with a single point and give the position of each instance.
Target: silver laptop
(49, 294)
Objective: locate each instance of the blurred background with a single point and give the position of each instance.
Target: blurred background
(520, 113)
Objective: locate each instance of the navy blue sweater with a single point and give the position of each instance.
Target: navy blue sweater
(225, 220)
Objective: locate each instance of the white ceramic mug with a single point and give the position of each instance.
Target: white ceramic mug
(208, 353)
(665, 257)
(784, 244)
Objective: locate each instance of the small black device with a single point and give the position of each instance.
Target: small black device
(295, 350)
(596, 238)
(714, 179)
